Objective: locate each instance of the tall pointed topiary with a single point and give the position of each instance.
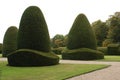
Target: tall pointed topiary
(81, 34)
(81, 41)
(33, 41)
(33, 31)
(9, 41)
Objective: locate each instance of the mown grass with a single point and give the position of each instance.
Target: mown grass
(113, 58)
(56, 72)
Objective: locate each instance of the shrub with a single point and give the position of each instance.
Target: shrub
(81, 43)
(28, 57)
(0, 48)
(81, 34)
(33, 31)
(58, 50)
(102, 49)
(10, 41)
(33, 41)
(82, 54)
(106, 42)
(113, 49)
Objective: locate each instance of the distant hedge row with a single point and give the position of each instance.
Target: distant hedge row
(112, 49)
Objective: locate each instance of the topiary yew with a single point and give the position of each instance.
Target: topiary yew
(1, 48)
(10, 41)
(81, 41)
(33, 41)
(33, 31)
(81, 34)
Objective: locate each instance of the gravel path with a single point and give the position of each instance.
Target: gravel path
(110, 73)
(3, 59)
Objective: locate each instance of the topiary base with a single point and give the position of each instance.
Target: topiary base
(82, 54)
(28, 57)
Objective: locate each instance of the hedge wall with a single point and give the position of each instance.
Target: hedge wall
(114, 49)
(28, 57)
(82, 54)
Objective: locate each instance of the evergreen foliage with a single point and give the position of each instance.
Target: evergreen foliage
(33, 41)
(81, 34)
(100, 28)
(10, 41)
(0, 48)
(113, 49)
(82, 54)
(33, 31)
(114, 28)
(28, 57)
(103, 49)
(81, 43)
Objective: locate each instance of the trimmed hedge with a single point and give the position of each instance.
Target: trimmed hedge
(33, 31)
(103, 49)
(33, 41)
(82, 54)
(58, 50)
(113, 49)
(81, 34)
(81, 43)
(28, 57)
(0, 48)
(9, 41)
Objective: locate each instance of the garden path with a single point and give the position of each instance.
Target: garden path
(3, 59)
(110, 73)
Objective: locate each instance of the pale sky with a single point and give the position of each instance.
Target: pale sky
(59, 14)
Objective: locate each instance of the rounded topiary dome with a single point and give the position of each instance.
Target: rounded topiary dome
(81, 34)
(9, 41)
(33, 31)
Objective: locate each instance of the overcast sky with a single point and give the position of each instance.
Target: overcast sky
(59, 14)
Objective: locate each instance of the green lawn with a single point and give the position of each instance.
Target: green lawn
(111, 58)
(115, 58)
(56, 72)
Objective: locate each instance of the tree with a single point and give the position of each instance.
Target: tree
(114, 28)
(100, 28)
(58, 41)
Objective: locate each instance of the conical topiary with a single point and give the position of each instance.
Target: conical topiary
(81, 34)
(33, 32)
(33, 41)
(9, 41)
(81, 43)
